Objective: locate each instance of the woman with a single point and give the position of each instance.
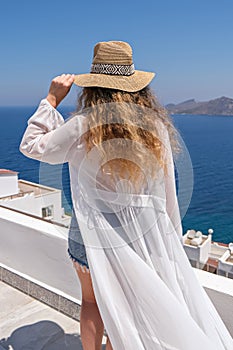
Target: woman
(125, 237)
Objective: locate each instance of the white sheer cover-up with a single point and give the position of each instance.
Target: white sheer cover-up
(147, 292)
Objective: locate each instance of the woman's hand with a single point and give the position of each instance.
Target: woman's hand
(59, 88)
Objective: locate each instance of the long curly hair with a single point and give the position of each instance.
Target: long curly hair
(132, 120)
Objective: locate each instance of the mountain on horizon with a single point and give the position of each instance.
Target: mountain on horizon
(219, 106)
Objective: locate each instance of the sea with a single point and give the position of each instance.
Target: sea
(208, 141)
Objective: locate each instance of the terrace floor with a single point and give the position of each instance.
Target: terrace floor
(27, 323)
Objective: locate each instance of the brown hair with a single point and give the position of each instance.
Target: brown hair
(121, 115)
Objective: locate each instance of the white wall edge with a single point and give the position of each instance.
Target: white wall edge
(46, 286)
(40, 225)
(216, 282)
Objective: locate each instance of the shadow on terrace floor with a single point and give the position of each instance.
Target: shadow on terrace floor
(43, 335)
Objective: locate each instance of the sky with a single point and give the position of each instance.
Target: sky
(187, 43)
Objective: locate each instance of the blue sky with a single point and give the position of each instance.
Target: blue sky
(187, 43)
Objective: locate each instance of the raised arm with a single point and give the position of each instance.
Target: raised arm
(47, 137)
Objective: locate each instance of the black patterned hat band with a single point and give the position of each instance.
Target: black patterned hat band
(114, 69)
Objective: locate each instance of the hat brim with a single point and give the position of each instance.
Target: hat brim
(132, 83)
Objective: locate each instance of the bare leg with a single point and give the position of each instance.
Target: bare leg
(108, 345)
(91, 324)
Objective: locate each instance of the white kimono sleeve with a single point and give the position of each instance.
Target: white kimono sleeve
(48, 137)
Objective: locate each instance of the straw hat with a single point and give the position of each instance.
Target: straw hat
(112, 67)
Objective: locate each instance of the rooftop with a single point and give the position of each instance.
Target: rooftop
(27, 187)
(7, 172)
(40, 306)
(39, 190)
(29, 322)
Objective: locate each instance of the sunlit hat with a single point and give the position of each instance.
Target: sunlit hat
(112, 67)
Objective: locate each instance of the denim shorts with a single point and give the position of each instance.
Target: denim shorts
(76, 247)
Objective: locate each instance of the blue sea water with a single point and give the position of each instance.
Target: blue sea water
(209, 140)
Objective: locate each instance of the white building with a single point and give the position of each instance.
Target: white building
(28, 197)
(205, 254)
(225, 264)
(197, 247)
